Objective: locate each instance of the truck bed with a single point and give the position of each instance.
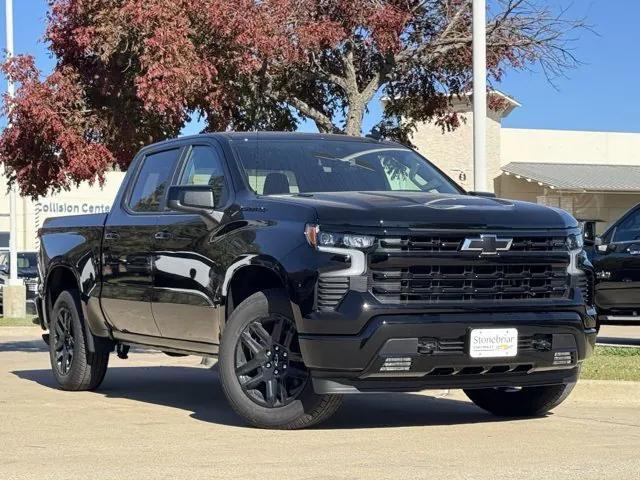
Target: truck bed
(88, 220)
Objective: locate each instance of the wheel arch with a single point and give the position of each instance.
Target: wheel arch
(250, 275)
(63, 277)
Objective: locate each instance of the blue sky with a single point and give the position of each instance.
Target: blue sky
(602, 94)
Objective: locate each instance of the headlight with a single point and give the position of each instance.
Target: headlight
(318, 238)
(575, 242)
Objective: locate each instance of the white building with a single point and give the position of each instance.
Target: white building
(84, 199)
(593, 175)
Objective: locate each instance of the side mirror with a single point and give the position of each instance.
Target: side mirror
(601, 246)
(191, 198)
(4, 269)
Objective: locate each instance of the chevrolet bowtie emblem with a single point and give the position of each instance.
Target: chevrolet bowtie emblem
(487, 244)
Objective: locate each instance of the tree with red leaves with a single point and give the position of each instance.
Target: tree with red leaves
(131, 72)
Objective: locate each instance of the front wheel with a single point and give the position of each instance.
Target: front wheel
(520, 402)
(261, 369)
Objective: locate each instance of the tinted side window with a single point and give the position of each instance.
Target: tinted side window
(153, 180)
(629, 228)
(204, 167)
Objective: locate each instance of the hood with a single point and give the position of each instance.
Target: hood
(429, 210)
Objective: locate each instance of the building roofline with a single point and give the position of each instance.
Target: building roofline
(572, 130)
(557, 180)
(465, 99)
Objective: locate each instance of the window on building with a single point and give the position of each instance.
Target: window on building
(153, 179)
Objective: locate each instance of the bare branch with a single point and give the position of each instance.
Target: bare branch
(322, 121)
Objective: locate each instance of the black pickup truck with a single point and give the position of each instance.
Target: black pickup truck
(314, 266)
(616, 259)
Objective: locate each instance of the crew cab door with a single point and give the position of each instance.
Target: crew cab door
(187, 273)
(618, 268)
(127, 248)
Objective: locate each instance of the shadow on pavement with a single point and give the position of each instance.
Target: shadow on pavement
(198, 390)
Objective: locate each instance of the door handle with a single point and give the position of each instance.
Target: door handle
(162, 235)
(111, 236)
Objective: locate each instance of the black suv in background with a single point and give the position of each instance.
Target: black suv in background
(27, 271)
(314, 266)
(616, 259)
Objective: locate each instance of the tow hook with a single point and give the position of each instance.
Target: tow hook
(123, 351)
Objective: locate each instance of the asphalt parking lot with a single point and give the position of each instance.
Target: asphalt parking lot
(160, 417)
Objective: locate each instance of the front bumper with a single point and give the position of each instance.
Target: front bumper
(434, 346)
(419, 296)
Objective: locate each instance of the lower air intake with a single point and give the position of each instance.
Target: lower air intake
(331, 291)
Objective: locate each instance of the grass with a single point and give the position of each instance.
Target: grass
(27, 321)
(613, 363)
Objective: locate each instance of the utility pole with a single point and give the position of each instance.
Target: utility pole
(14, 295)
(479, 95)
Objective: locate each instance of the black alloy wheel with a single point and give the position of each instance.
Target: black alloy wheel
(262, 372)
(268, 363)
(63, 340)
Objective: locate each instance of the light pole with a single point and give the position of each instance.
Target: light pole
(479, 95)
(14, 293)
(13, 222)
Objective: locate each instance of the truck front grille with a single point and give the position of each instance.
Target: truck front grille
(31, 286)
(427, 269)
(436, 283)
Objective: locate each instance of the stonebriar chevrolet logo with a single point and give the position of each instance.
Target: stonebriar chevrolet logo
(487, 244)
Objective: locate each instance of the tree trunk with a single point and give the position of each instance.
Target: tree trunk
(355, 115)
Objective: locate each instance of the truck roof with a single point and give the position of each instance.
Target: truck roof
(296, 135)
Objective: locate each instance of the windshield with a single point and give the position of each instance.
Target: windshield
(282, 166)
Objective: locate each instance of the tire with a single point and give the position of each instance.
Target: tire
(74, 366)
(525, 402)
(259, 343)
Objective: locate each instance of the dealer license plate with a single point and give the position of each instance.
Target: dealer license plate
(493, 342)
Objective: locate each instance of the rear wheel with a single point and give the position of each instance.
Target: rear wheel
(74, 366)
(520, 402)
(261, 368)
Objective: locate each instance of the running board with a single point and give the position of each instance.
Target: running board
(167, 344)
